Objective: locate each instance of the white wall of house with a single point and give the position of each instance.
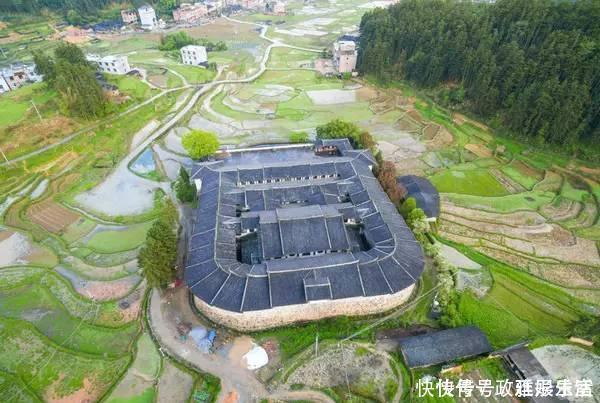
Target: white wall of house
(111, 64)
(194, 55)
(147, 17)
(3, 85)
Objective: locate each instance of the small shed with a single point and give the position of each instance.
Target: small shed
(424, 193)
(444, 346)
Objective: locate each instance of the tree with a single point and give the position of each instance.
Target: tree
(386, 175)
(176, 41)
(417, 221)
(158, 256)
(299, 137)
(409, 205)
(44, 65)
(184, 188)
(532, 66)
(72, 76)
(73, 17)
(367, 141)
(200, 144)
(339, 129)
(166, 6)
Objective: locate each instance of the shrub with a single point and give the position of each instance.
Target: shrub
(299, 137)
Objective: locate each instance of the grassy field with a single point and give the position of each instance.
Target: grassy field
(119, 240)
(131, 86)
(290, 58)
(475, 182)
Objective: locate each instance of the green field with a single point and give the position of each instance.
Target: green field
(290, 58)
(16, 104)
(504, 204)
(519, 306)
(137, 386)
(119, 240)
(131, 86)
(475, 182)
(45, 366)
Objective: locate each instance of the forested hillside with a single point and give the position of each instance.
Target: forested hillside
(81, 6)
(33, 6)
(533, 66)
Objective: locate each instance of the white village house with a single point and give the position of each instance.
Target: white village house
(194, 55)
(16, 76)
(147, 17)
(111, 64)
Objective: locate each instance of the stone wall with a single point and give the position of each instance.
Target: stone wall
(285, 315)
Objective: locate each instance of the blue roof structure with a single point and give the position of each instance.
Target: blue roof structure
(278, 227)
(424, 193)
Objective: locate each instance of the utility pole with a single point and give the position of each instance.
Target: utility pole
(36, 109)
(317, 345)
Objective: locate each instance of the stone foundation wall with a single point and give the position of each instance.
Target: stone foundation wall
(285, 315)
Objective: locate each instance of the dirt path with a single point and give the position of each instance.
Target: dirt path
(235, 379)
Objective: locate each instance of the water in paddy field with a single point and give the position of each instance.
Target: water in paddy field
(144, 163)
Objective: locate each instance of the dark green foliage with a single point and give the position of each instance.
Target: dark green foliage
(184, 188)
(74, 18)
(533, 66)
(589, 328)
(340, 129)
(158, 256)
(177, 40)
(72, 76)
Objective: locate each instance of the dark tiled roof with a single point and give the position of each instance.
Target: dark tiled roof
(282, 229)
(444, 346)
(424, 193)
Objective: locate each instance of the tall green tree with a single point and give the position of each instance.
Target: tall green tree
(185, 189)
(158, 256)
(73, 77)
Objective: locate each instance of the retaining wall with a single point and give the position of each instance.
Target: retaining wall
(285, 315)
